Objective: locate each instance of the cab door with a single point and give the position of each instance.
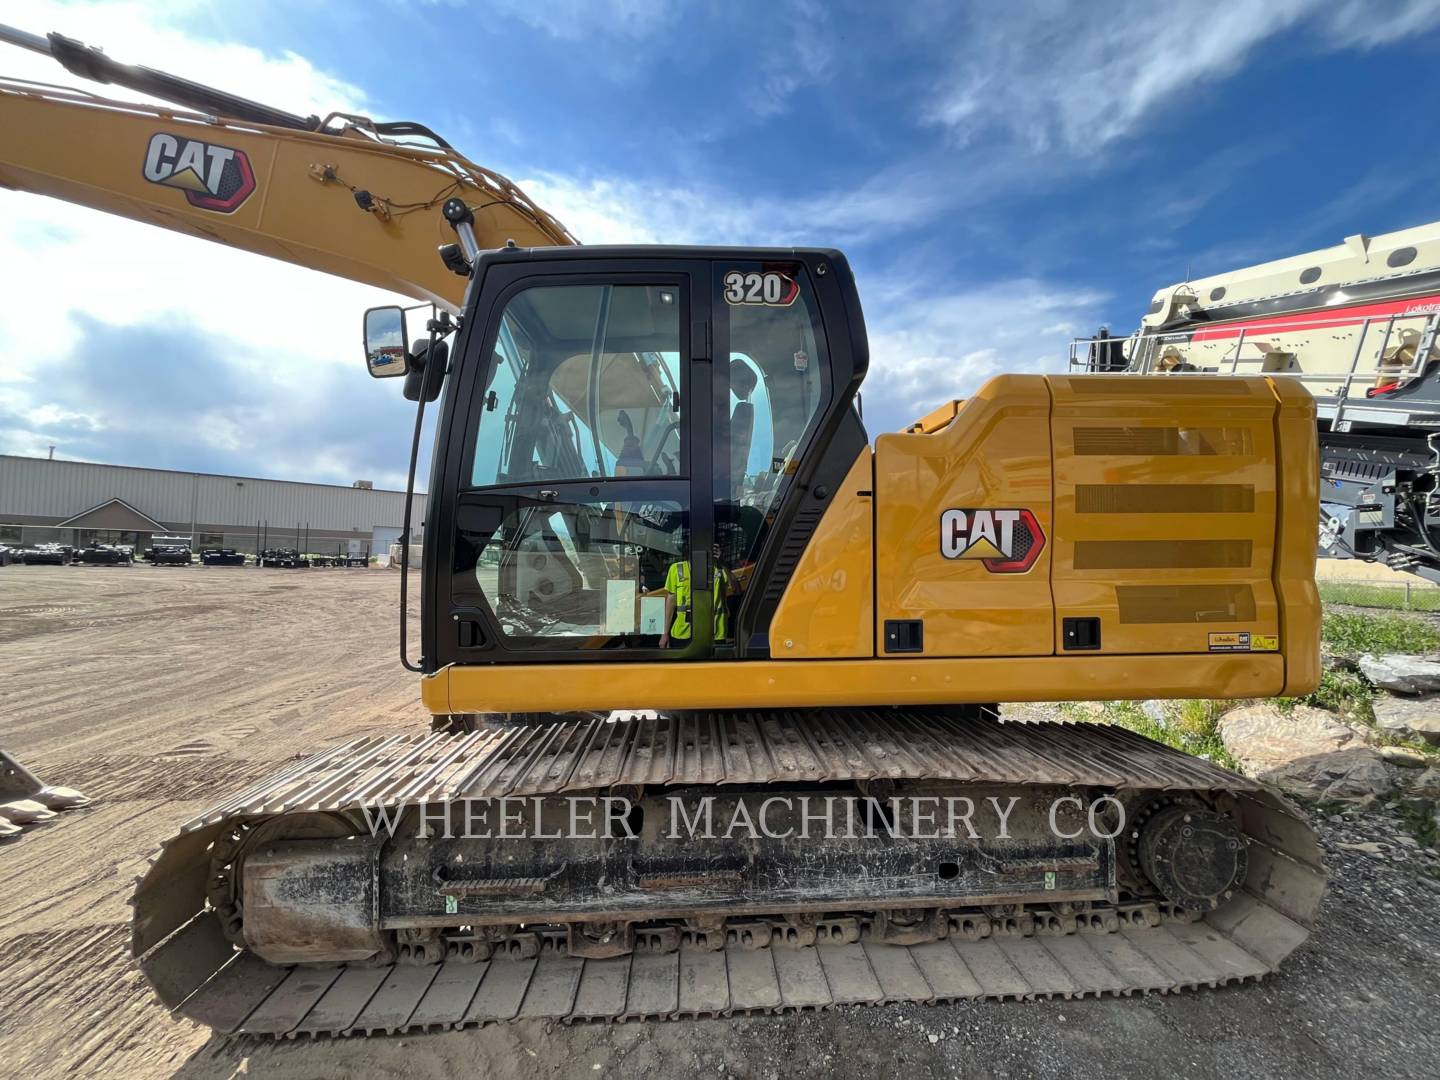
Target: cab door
(577, 443)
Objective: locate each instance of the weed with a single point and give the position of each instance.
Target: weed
(1344, 692)
(1188, 726)
(1351, 633)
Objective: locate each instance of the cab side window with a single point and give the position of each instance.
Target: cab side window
(774, 389)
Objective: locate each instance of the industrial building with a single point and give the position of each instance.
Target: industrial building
(44, 500)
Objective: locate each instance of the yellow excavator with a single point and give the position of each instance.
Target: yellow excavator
(712, 674)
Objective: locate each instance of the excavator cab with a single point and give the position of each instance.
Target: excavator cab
(633, 445)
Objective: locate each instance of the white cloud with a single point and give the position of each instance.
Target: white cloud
(68, 268)
(579, 20)
(1078, 76)
(928, 347)
(157, 35)
(611, 210)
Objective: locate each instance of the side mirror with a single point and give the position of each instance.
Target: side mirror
(386, 354)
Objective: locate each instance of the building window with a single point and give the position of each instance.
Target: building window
(10, 534)
(210, 540)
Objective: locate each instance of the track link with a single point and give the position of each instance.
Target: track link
(1029, 951)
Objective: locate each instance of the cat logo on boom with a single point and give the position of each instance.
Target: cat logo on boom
(213, 177)
(1005, 541)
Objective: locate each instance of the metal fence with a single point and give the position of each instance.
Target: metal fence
(1395, 595)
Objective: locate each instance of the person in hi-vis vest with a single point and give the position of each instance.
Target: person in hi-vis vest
(678, 605)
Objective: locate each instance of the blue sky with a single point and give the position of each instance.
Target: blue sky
(1002, 175)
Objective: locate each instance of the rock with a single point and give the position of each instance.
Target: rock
(1261, 737)
(1402, 756)
(1401, 674)
(1427, 784)
(1417, 804)
(1358, 774)
(1409, 717)
(1306, 752)
(1369, 848)
(1154, 710)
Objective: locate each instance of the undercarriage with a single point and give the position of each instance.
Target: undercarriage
(705, 864)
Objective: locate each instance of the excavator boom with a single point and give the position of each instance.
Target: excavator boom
(344, 199)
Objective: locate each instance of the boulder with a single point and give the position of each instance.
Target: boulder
(1261, 737)
(1409, 717)
(1305, 752)
(1401, 674)
(1339, 776)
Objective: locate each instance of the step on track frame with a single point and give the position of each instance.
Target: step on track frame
(186, 955)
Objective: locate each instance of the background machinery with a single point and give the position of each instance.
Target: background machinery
(1356, 324)
(639, 440)
(169, 551)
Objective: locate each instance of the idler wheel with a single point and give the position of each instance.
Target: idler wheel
(1195, 857)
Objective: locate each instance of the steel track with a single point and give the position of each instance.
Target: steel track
(196, 971)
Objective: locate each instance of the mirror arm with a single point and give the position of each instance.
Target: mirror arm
(439, 329)
(405, 529)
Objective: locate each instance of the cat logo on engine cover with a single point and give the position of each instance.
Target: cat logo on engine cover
(1005, 541)
(217, 178)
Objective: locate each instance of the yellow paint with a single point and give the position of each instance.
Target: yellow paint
(752, 684)
(435, 692)
(71, 147)
(1185, 446)
(996, 454)
(1294, 572)
(827, 609)
(1193, 465)
(932, 422)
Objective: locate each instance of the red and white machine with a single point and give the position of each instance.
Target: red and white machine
(1357, 324)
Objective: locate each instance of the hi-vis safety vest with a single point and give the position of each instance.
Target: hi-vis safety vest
(677, 582)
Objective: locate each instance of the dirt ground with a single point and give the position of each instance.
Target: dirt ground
(159, 690)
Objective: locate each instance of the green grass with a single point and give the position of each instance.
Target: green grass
(1351, 633)
(1346, 693)
(1189, 726)
(1394, 597)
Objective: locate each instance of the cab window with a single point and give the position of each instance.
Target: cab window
(585, 382)
(774, 388)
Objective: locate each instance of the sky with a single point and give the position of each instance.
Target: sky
(1002, 176)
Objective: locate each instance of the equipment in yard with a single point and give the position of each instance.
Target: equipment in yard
(169, 551)
(221, 557)
(285, 558)
(26, 800)
(1357, 324)
(617, 421)
(105, 555)
(47, 555)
